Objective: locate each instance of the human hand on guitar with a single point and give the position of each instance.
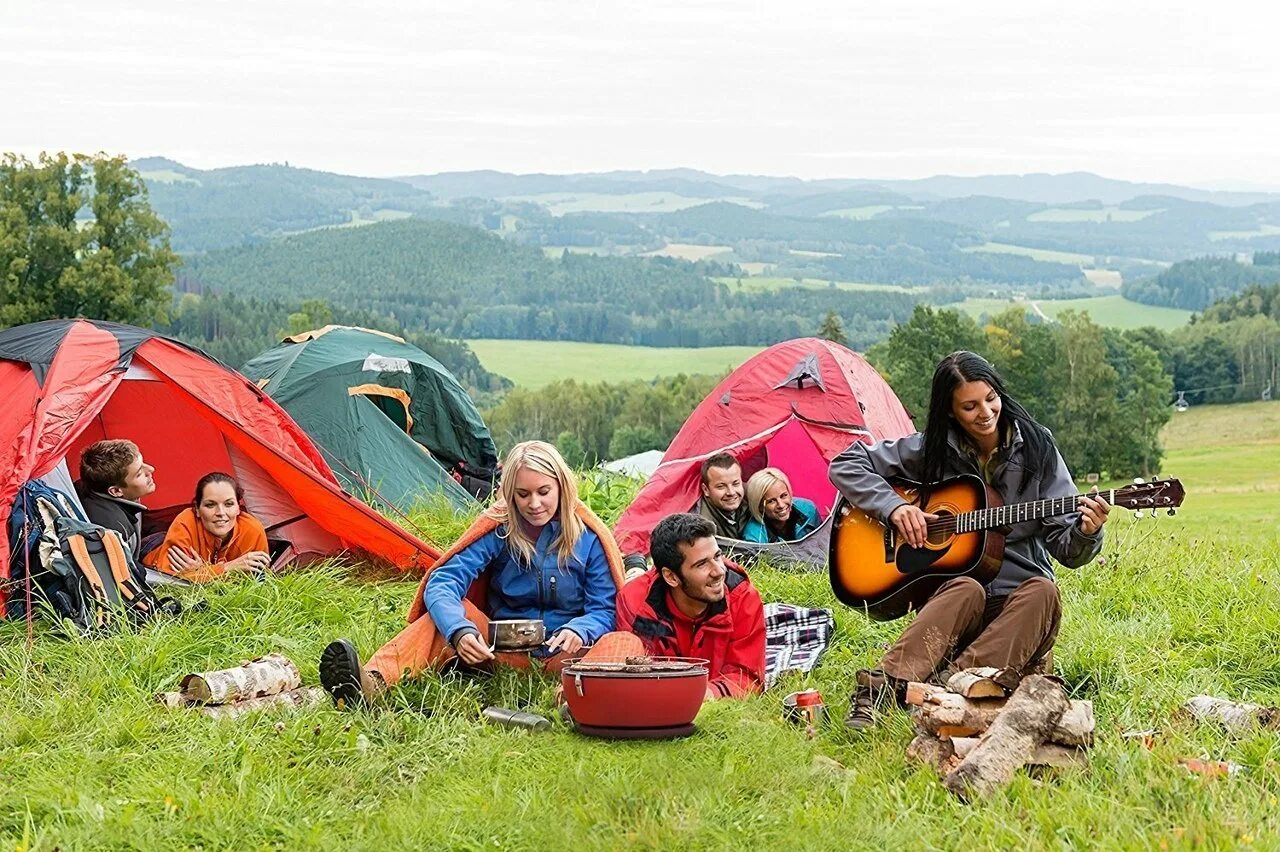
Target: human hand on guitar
(1093, 512)
(911, 522)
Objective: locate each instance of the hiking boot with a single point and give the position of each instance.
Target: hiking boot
(873, 693)
(342, 675)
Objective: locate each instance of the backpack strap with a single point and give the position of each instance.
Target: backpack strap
(119, 562)
(80, 553)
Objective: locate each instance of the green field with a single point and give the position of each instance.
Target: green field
(1174, 608)
(1045, 255)
(560, 203)
(1114, 311)
(534, 363)
(688, 251)
(167, 176)
(763, 283)
(1104, 214)
(1262, 231)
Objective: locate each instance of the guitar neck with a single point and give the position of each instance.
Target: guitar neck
(1016, 513)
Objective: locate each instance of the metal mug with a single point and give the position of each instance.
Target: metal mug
(805, 708)
(516, 634)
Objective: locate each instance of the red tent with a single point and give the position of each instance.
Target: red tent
(794, 406)
(67, 383)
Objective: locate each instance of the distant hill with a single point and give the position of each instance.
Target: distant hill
(465, 283)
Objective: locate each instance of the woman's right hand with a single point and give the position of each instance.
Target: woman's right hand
(253, 562)
(911, 523)
(472, 650)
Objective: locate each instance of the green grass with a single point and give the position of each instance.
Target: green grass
(1115, 311)
(1182, 606)
(534, 363)
(1104, 214)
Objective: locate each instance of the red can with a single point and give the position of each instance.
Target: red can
(805, 708)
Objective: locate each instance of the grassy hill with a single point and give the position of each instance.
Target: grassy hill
(1181, 606)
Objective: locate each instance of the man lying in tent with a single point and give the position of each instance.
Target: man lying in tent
(695, 603)
(540, 553)
(722, 492)
(113, 478)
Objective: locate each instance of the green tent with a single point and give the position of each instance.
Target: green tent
(391, 421)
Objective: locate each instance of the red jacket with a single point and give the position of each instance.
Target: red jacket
(730, 633)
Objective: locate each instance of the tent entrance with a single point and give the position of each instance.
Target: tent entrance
(183, 446)
(393, 402)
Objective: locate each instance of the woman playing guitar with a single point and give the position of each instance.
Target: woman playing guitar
(974, 427)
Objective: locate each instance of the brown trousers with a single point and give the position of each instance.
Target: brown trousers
(960, 628)
(420, 647)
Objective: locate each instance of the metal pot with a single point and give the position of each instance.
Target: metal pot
(516, 634)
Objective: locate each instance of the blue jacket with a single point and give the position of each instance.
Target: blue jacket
(804, 514)
(578, 596)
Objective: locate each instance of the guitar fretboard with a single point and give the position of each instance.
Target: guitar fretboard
(1016, 513)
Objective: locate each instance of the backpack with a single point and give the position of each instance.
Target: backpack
(82, 571)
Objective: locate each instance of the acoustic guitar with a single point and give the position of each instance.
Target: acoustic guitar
(875, 570)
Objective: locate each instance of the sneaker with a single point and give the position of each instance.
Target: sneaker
(344, 678)
(873, 694)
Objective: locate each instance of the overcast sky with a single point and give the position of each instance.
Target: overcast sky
(1135, 90)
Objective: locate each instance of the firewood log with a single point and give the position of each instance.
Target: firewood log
(931, 751)
(1047, 754)
(1025, 723)
(977, 683)
(945, 713)
(1232, 715)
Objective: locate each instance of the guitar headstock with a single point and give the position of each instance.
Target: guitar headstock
(1156, 494)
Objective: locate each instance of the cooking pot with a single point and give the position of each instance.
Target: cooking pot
(516, 634)
(635, 696)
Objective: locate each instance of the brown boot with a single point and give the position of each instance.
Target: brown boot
(347, 681)
(875, 692)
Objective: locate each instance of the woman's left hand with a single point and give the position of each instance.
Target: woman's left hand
(565, 641)
(1093, 512)
(181, 559)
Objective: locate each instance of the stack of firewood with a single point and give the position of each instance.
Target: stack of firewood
(270, 681)
(977, 735)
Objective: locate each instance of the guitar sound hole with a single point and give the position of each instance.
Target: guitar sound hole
(941, 530)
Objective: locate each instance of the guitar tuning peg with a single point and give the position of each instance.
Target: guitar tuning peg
(1137, 480)
(1138, 514)
(1172, 511)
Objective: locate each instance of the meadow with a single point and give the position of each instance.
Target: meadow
(1175, 607)
(534, 363)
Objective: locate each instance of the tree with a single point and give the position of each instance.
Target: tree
(914, 349)
(78, 237)
(1088, 407)
(314, 314)
(833, 329)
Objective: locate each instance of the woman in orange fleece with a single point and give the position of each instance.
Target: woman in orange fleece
(214, 536)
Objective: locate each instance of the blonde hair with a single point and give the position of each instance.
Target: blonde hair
(759, 484)
(540, 457)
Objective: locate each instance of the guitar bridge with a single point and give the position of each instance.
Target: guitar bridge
(889, 543)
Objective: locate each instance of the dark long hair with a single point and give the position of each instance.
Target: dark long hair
(953, 371)
(217, 476)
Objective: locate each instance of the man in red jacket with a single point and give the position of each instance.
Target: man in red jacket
(695, 604)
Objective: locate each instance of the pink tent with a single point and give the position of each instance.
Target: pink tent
(795, 406)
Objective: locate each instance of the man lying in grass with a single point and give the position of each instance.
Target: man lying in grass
(550, 559)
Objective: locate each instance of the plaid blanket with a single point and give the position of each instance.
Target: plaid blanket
(795, 638)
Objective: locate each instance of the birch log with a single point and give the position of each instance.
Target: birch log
(944, 713)
(267, 675)
(306, 696)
